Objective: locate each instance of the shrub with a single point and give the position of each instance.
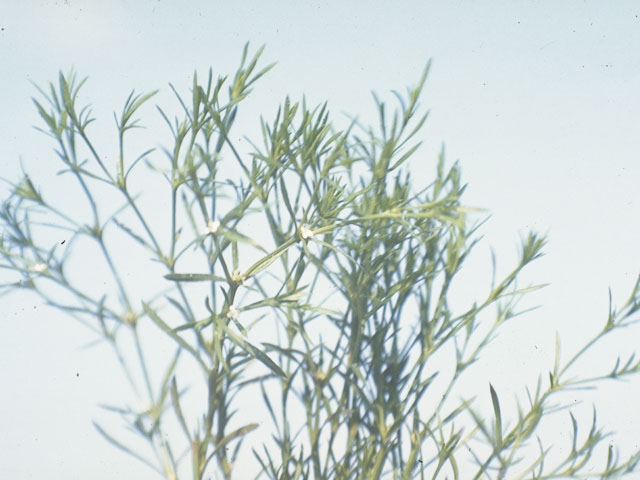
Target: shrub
(309, 274)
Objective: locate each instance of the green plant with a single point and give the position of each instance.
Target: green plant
(340, 319)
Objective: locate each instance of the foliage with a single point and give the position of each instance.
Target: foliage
(342, 313)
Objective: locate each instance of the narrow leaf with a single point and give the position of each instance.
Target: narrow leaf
(496, 411)
(194, 277)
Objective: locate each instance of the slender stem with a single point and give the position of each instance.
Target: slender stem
(94, 153)
(143, 364)
(121, 289)
(143, 222)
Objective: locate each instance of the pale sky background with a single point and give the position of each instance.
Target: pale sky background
(539, 101)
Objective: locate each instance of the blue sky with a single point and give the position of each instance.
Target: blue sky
(538, 100)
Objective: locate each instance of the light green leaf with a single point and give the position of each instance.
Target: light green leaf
(194, 277)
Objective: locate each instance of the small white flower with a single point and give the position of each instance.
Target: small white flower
(238, 277)
(232, 313)
(212, 227)
(40, 268)
(305, 232)
(130, 318)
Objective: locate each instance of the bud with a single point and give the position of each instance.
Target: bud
(232, 313)
(212, 227)
(305, 232)
(40, 268)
